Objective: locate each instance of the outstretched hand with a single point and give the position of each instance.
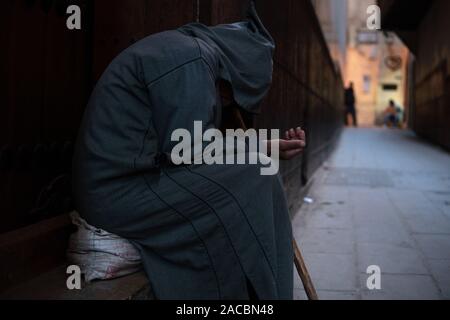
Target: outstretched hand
(293, 144)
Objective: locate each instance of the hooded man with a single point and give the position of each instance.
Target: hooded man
(203, 231)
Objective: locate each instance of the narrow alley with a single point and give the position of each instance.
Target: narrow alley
(382, 199)
(112, 180)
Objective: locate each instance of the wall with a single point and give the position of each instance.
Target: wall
(44, 84)
(333, 18)
(47, 73)
(431, 113)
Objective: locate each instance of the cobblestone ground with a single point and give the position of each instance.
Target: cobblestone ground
(382, 199)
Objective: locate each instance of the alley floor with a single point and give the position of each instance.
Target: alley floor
(382, 199)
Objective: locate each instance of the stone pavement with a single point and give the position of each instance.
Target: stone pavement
(383, 199)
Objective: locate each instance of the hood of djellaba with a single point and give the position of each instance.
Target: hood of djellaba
(246, 56)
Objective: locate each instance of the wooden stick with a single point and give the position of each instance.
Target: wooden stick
(303, 273)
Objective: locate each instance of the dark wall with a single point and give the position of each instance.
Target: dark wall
(118, 24)
(431, 109)
(47, 73)
(44, 84)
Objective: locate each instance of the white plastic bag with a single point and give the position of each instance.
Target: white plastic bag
(100, 254)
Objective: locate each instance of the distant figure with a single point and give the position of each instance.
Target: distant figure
(392, 115)
(350, 105)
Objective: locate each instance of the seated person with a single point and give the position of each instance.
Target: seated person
(391, 115)
(217, 231)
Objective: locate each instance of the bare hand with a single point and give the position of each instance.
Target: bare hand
(293, 145)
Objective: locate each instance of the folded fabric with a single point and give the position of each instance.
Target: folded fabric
(100, 254)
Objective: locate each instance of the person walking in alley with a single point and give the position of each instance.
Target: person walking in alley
(350, 107)
(204, 231)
